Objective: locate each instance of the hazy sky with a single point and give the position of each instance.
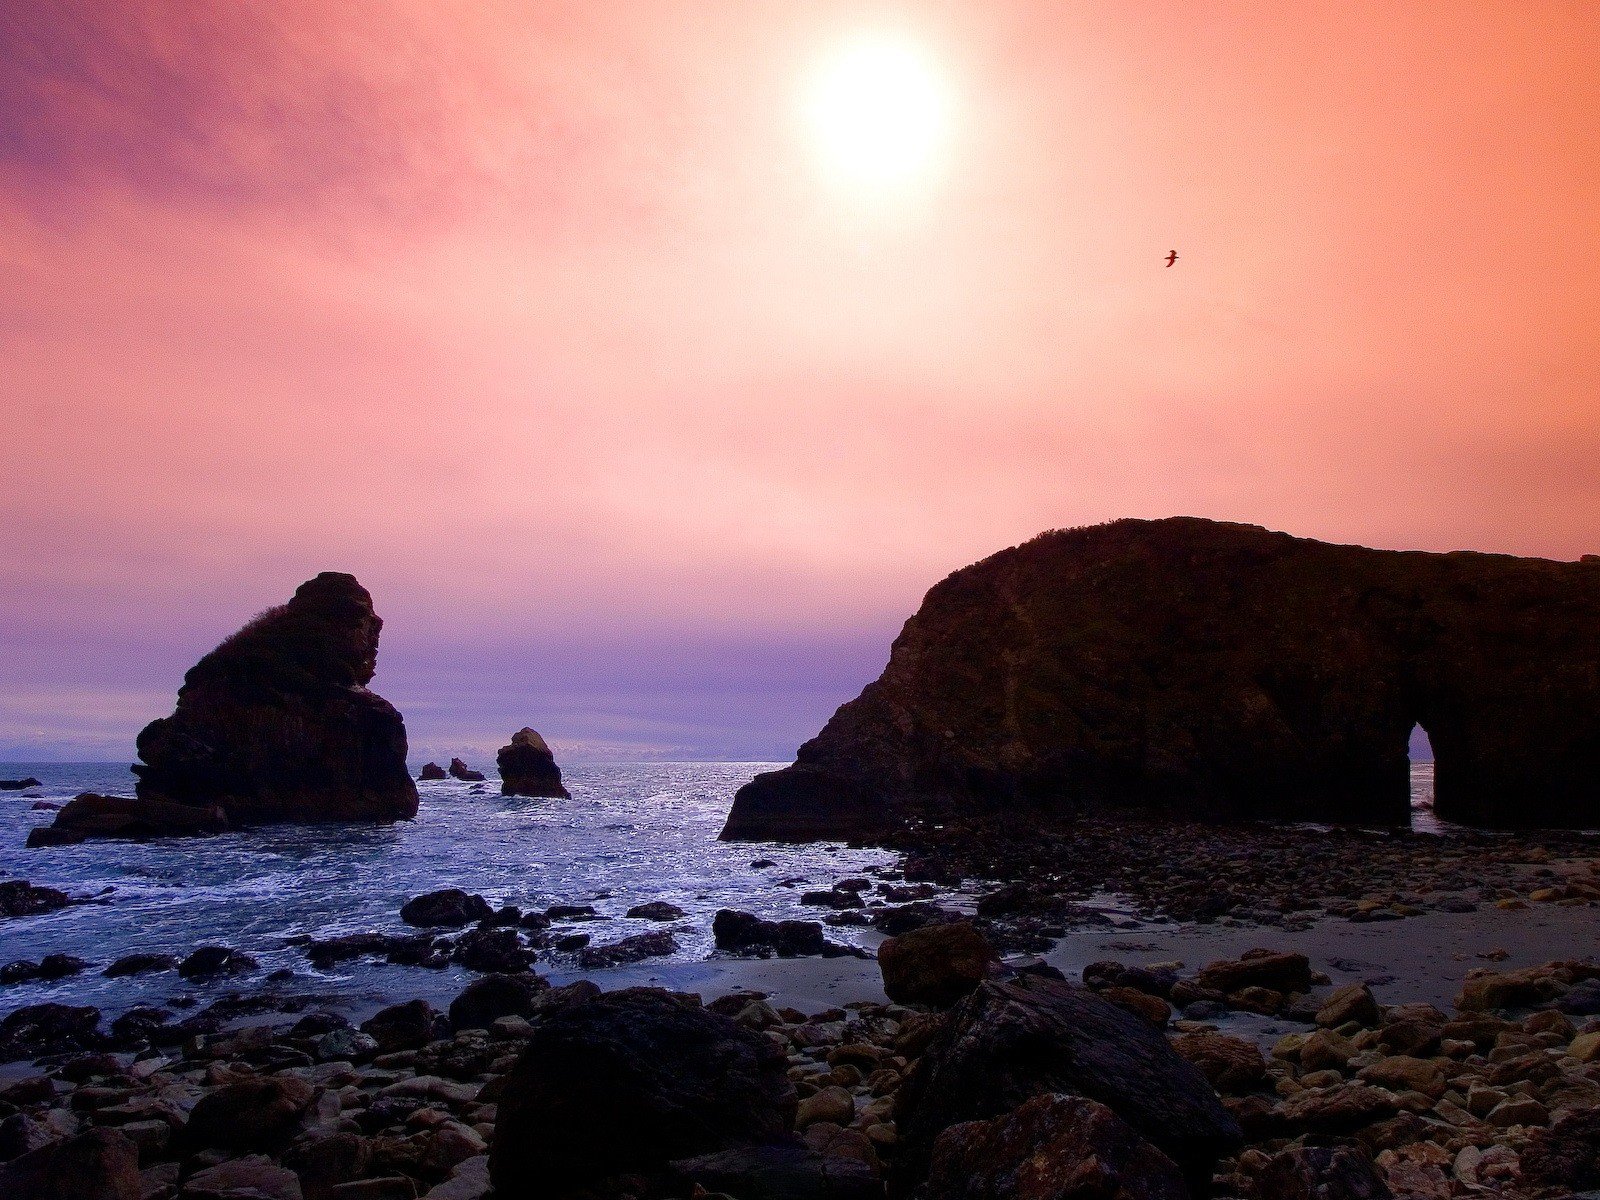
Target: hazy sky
(647, 420)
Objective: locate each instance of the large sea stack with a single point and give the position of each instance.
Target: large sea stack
(1216, 671)
(277, 725)
(528, 768)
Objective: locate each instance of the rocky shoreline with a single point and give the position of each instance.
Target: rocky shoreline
(272, 1092)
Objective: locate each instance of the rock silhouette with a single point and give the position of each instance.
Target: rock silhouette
(276, 724)
(460, 770)
(528, 768)
(1216, 671)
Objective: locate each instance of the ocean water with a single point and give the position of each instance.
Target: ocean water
(632, 832)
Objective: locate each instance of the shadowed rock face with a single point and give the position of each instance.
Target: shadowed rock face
(528, 768)
(1216, 671)
(277, 724)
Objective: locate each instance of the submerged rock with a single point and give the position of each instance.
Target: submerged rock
(91, 815)
(277, 725)
(19, 898)
(17, 785)
(528, 768)
(1218, 671)
(448, 907)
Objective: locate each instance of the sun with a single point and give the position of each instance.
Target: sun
(878, 113)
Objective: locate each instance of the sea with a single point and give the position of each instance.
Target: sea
(632, 832)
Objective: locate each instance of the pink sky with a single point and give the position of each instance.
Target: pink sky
(548, 323)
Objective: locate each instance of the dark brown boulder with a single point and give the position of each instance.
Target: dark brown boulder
(935, 965)
(673, 1081)
(91, 815)
(253, 1115)
(1013, 1040)
(1218, 671)
(276, 724)
(1316, 1173)
(431, 771)
(528, 768)
(450, 907)
(99, 1165)
(1051, 1148)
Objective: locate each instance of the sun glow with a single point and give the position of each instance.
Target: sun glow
(878, 112)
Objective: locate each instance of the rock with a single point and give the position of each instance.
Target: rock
(1583, 1000)
(629, 950)
(451, 907)
(493, 950)
(1152, 1008)
(1315, 1173)
(745, 933)
(460, 770)
(255, 1177)
(674, 1081)
(19, 898)
(1353, 1002)
(431, 772)
(1338, 1110)
(1231, 1064)
(833, 1104)
(140, 964)
(777, 1173)
(1258, 969)
(403, 1026)
(935, 965)
(17, 785)
(656, 910)
(49, 1029)
(59, 966)
(485, 1000)
(1217, 670)
(276, 724)
(1567, 1155)
(1012, 1040)
(528, 768)
(20, 1134)
(1051, 1148)
(210, 961)
(1484, 991)
(101, 1164)
(90, 815)
(252, 1115)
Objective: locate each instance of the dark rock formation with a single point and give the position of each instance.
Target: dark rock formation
(1010, 1041)
(17, 785)
(1051, 1148)
(91, 815)
(1218, 671)
(935, 965)
(450, 907)
(528, 768)
(485, 1000)
(252, 1115)
(19, 898)
(1317, 1173)
(674, 1081)
(460, 770)
(745, 933)
(628, 950)
(101, 1164)
(431, 771)
(277, 724)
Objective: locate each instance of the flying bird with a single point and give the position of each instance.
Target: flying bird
(1172, 257)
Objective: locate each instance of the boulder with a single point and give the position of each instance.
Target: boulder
(37, 1029)
(450, 907)
(1257, 968)
(935, 965)
(673, 1080)
(1567, 1155)
(140, 964)
(779, 1172)
(528, 768)
(745, 933)
(18, 785)
(210, 961)
(101, 1164)
(430, 772)
(483, 1001)
(1232, 1064)
(633, 949)
(19, 898)
(1315, 1173)
(1015, 1039)
(404, 1026)
(254, 1177)
(460, 770)
(91, 815)
(1053, 1147)
(1219, 671)
(277, 725)
(249, 1116)
(656, 910)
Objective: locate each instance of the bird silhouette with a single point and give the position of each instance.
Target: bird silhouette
(1172, 257)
